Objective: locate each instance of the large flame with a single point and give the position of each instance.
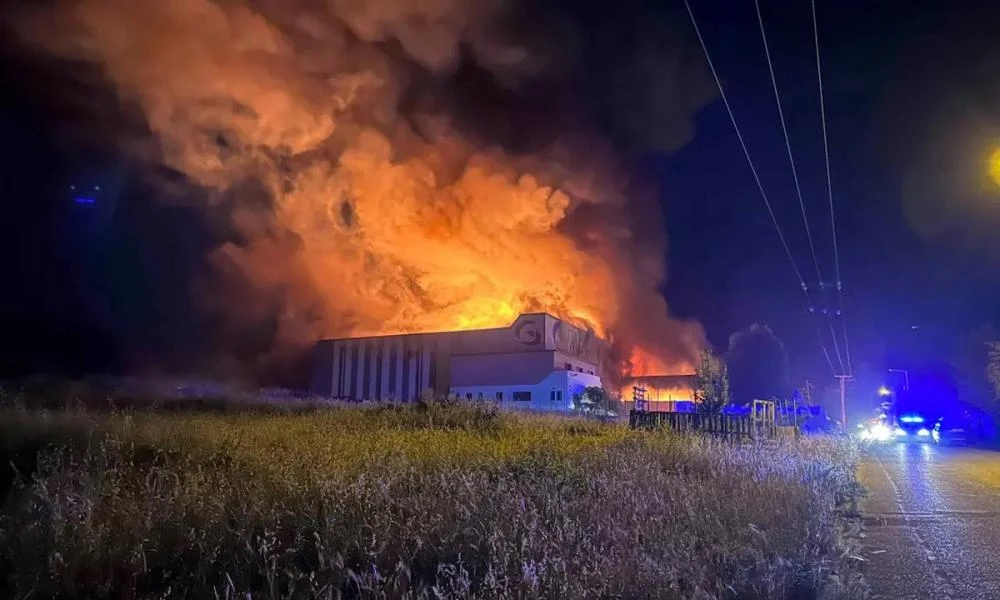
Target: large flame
(642, 363)
(372, 221)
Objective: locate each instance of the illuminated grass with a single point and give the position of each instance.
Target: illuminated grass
(435, 502)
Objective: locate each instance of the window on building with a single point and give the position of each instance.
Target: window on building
(558, 395)
(552, 395)
(521, 396)
(499, 396)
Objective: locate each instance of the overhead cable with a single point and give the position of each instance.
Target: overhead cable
(760, 186)
(746, 152)
(829, 189)
(788, 144)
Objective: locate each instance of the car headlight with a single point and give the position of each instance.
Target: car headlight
(880, 432)
(922, 432)
(899, 432)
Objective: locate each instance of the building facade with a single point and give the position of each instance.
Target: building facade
(539, 362)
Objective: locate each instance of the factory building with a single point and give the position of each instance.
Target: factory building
(539, 362)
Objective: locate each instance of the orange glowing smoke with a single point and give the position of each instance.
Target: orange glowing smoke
(643, 364)
(372, 223)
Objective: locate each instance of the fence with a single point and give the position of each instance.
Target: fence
(759, 424)
(727, 426)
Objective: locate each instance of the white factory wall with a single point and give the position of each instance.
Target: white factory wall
(500, 368)
(572, 363)
(503, 368)
(553, 393)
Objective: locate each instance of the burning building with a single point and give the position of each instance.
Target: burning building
(661, 393)
(371, 168)
(539, 362)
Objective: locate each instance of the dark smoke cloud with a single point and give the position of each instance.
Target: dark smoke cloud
(385, 165)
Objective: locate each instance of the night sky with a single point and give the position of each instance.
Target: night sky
(911, 94)
(911, 89)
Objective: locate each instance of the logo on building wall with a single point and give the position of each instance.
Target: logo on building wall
(575, 342)
(526, 331)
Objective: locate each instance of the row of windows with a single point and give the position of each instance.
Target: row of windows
(480, 397)
(569, 367)
(522, 396)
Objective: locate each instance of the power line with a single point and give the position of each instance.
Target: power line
(836, 349)
(760, 187)
(843, 326)
(826, 353)
(798, 187)
(746, 152)
(829, 188)
(788, 144)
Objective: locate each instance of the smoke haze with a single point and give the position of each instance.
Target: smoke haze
(388, 166)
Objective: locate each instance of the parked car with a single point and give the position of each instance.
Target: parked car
(952, 432)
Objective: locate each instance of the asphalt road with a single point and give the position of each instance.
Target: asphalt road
(932, 522)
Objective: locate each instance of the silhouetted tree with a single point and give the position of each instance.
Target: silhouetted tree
(711, 384)
(758, 365)
(596, 399)
(971, 366)
(993, 370)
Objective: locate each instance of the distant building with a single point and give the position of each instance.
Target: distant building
(539, 362)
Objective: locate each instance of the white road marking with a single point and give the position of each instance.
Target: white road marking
(942, 578)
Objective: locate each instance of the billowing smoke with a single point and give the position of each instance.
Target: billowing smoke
(391, 165)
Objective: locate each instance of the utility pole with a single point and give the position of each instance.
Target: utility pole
(809, 395)
(843, 402)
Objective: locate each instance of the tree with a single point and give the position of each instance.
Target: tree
(972, 365)
(596, 399)
(711, 384)
(993, 368)
(758, 365)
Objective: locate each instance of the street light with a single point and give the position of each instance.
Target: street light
(994, 166)
(884, 391)
(906, 377)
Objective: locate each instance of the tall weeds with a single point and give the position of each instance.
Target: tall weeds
(425, 502)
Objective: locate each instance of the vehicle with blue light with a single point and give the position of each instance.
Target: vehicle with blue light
(912, 428)
(908, 428)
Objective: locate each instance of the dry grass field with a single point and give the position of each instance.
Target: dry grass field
(423, 501)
